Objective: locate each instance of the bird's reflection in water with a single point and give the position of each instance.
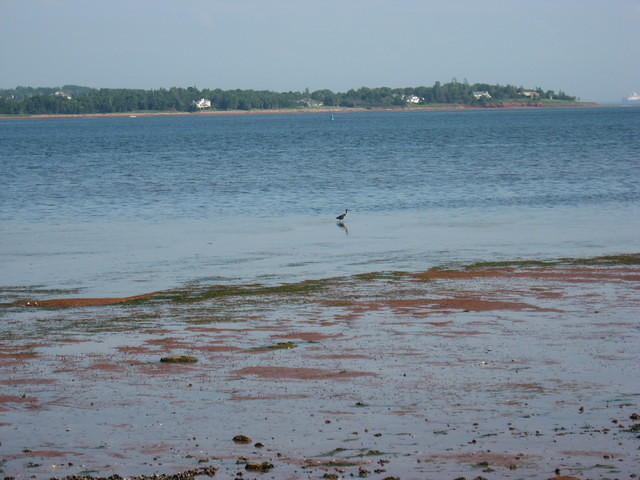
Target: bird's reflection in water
(343, 226)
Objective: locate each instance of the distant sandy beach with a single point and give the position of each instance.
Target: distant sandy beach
(328, 110)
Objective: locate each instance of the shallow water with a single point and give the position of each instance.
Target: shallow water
(514, 372)
(519, 371)
(120, 206)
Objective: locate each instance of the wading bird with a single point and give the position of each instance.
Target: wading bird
(342, 215)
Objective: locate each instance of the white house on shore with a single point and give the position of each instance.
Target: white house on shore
(481, 94)
(60, 93)
(413, 99)
(202, 103)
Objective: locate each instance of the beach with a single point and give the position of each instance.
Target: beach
(178, 299)
(326, 110)
(509, 370)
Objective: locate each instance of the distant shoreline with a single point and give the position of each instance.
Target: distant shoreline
(437, 108)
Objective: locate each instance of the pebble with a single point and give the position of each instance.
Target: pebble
(187, 475)
(242, 439)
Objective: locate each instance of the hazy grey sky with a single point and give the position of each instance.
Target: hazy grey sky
(587, 48)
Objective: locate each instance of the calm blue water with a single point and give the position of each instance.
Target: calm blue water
(117, 206)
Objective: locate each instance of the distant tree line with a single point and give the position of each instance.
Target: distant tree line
(73, 99)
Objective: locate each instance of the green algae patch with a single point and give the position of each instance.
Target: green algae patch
(374, 276)
(511, 264)
(208, 318)
(610, 260)
(199, 294)
(333, 452)
(373, 453)
(259, 466)
(487, 268)
(179, 359)
(607, 260)
(277, 346)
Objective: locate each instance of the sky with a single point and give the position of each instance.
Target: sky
(587, 48)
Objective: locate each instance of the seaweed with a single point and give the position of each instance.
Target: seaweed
(179, 359)
(199, 294)
(609, 260)
(385, 275)
(277, 346)
(623, 259)
(511, 264)
(259, 467)
(333, 452)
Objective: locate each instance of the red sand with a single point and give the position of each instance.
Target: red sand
(83, 302)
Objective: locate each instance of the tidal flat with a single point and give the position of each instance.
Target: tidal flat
(512, 370)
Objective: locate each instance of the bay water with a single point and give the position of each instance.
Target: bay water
(122, 206)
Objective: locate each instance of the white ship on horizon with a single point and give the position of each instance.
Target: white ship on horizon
(634, 97)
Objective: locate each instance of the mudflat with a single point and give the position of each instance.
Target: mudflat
(517, 370)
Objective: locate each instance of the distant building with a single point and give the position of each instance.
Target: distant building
(412, 99)
(478, 95)
(202, 103)
(529, 94)
(310, 103)
(60, 93)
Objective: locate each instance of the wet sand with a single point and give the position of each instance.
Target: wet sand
(497, 372)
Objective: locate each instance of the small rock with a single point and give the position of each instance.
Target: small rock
(179, 359)
(635, 428)
(259, 467)
(242, 439)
